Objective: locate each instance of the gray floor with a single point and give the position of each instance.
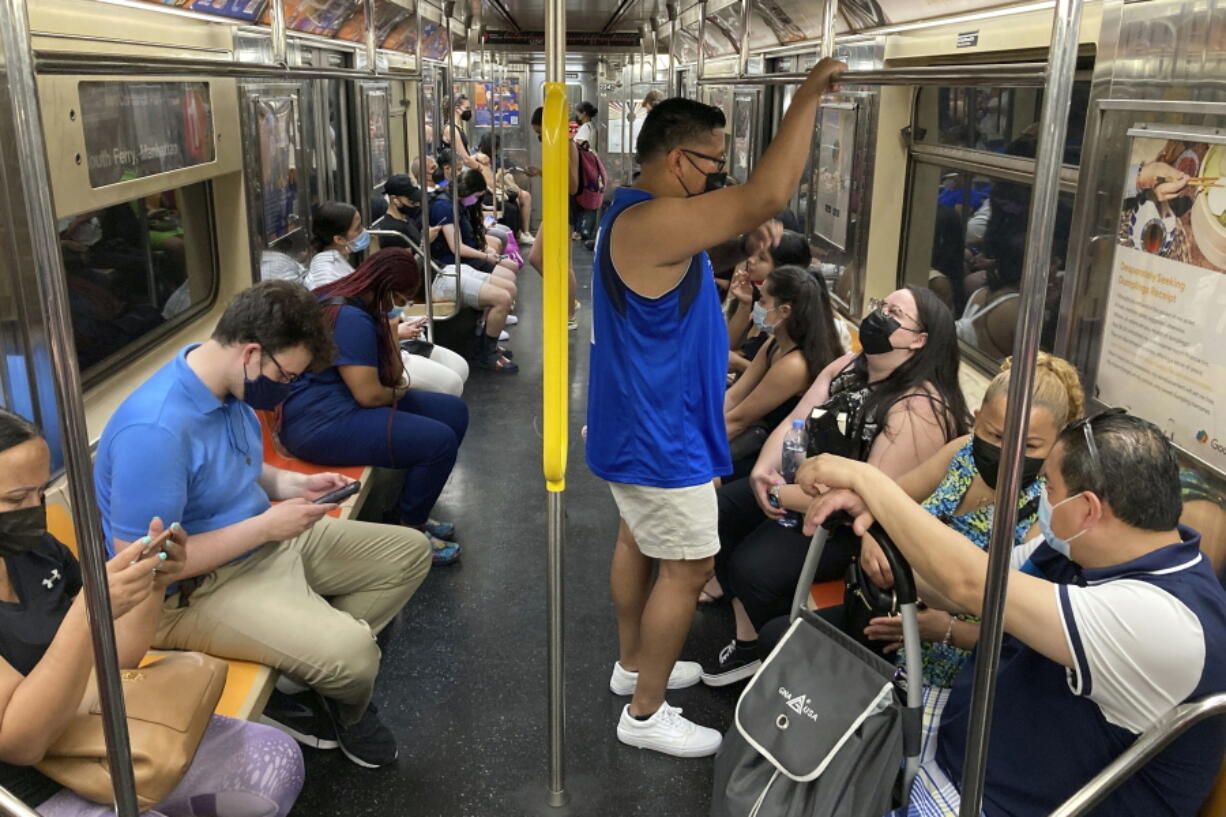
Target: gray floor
(463, 680)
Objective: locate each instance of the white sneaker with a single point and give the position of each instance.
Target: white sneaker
(525, 239)
(668, 732)
(512, 320)
(684, 674)
(503, 336)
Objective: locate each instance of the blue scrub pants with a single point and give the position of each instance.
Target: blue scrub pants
(423, 437)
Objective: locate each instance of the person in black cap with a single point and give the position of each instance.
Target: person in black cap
(403, 211)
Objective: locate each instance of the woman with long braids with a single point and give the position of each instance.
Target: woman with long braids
(360, 411)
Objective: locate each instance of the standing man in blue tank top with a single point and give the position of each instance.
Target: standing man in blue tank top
(659, 358)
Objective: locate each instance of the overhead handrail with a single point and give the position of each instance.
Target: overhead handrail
(1152, 741)
(73, 62)
(555, 152)
(1053, 128)
(1021, 74)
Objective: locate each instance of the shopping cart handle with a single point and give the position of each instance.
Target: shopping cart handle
(904, 579)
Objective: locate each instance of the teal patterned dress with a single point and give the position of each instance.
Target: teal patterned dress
(941, 662)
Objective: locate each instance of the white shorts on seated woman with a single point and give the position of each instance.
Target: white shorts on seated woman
(471, 281)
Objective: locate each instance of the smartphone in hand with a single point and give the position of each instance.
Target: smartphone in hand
(158, 544)
(340, 494)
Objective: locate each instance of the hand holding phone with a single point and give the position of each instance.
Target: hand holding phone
(156, 546)
(340, 494)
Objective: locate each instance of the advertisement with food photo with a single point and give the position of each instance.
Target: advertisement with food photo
(1163, 346)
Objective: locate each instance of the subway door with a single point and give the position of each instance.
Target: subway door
(274, 168)
(372, 143)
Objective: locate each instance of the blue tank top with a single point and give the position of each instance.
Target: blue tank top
(655, 408)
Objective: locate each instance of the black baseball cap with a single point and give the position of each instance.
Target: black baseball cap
(402, 185)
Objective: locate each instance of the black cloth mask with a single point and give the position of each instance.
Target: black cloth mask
(987, 462)
(875, 332)
(466, 115)
(22, 530)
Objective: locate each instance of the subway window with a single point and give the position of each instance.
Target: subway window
(972, 170)
(135, 271)
(996, 120)
(966, 241)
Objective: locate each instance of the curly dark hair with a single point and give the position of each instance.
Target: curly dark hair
(278, 315)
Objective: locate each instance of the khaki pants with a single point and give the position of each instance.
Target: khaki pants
(309, 606)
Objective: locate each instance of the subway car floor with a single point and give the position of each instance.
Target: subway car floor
(463, 683)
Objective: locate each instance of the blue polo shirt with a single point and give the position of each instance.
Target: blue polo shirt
(175, 451)
(1146, 636)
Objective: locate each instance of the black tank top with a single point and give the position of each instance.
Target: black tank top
(781, 412)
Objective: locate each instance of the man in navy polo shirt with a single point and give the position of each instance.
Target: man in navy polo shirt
(282, 585)
(1112, 619)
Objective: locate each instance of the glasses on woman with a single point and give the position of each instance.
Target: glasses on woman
(894, 311)
(1086, 424)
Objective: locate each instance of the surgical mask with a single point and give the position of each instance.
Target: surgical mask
(395, 312)
(759, 319)
(466, 115)
(22, 530)
(469, 201)
(714, 181)
(987, 462)
(360, 243)
(875, 332)
(1046, 509)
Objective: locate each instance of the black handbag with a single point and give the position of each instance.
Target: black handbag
(862, 601)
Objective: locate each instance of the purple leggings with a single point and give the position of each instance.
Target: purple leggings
(242, 769)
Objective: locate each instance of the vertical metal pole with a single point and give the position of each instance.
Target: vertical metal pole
(372, 48)
(830, 13)
(456, 166)
(280, 46)
(427, 270)
(672, 49)
(655, 50)
(702, 40)
(1053, 126)
(742, 58)
(555, 72)
(26, 122)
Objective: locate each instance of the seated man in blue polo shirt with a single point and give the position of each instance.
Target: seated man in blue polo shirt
(282, 585)
(1112, 619)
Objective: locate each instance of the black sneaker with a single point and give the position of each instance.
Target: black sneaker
(733, 664)
(368, 743)
(301, 716)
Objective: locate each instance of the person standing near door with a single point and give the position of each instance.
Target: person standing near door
(659, 356)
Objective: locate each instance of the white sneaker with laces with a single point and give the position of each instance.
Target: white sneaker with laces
(684, 674)
(503, 337)
(666, 731)
(512, 320)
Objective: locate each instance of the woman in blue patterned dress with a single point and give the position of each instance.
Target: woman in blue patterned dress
(959, 482)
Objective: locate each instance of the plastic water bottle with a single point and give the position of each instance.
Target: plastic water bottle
(795, 451)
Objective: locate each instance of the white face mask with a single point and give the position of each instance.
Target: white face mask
(1046, 509)
(759, 318)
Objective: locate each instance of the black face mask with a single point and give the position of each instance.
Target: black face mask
(987, 463)
(466, 115)
(22, 530)
(875, 332)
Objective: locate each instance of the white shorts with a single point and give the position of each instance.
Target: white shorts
(471, 281)
(670, 523)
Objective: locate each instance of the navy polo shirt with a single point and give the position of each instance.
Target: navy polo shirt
(319, 399)
(1146, 636)
(175, 451)
(440, 213)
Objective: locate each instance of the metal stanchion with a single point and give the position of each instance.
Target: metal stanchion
(556, 364)
(1053, 126)
(39, 218)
